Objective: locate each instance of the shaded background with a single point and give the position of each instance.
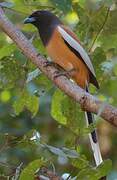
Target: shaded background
(32, 111)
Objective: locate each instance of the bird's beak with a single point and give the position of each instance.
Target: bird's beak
(29, 20)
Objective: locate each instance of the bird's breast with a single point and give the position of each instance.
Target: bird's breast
(61, 54)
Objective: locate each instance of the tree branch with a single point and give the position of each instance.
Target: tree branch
(87, 101)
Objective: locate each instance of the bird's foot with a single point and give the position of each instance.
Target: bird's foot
(38, 54)
(68, 74)
(49, 63)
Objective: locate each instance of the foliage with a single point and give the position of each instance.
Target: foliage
(39, 124)
(29, 171)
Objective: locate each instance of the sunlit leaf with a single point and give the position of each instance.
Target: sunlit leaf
(56, 109)
(30, 170)
(81, 162)
(5, 96)
(105, 168)
(11, 73)
(26, 100)
(7, 50)
(95, 174)
(98, 57)
(67, 112)
(71, 18)
(44, 82)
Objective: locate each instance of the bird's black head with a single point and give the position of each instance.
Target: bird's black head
(42, 17)
(45, 21)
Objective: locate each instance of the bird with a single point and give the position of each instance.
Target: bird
(65, 49)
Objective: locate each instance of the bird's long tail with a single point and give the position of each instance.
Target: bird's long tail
(93, 139)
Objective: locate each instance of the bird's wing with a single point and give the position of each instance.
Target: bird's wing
(72, 41)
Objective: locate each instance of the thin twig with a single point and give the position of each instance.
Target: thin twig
(100, 30)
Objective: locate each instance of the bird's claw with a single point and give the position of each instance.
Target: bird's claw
(59, 73)
(48, 63)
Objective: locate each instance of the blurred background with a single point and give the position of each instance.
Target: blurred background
(36, 119)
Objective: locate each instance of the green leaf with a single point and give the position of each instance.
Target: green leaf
(98, 57)
(25, 100)
(32, 75)
(70, 153)
(62, 152)
(56, 151)
(109, 3)
(111, 25)
(7, 50)
(6, 4)
(81, 162)
(30, 5)
(104, 168)
(64, 5)
(44, 82)
(82, 2)
(11, 73)
(56, 109)
(89, 173)
(67, 112)
(21, 6)
(107, 67)
(108, 43)
(30, 170)
(115, 70)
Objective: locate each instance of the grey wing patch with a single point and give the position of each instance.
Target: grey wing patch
(74, 44)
